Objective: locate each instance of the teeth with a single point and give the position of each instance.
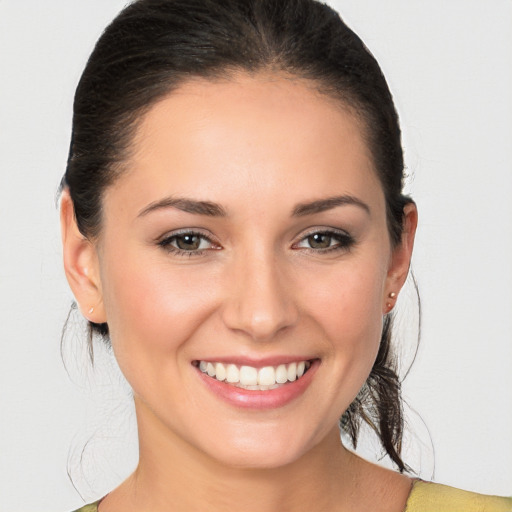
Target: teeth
(232, 373)
(220, 372)
(281, 374)
(266, 376)
(210, 370)
(292, 372)
(248, 377)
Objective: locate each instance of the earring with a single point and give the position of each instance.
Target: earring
(389, 306)
(91, 311)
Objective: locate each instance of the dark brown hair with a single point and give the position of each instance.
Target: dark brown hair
(154, 46)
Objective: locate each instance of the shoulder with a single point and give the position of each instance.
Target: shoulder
(429, 497)
(93, 507)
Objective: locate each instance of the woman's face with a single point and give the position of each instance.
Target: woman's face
(248, 238)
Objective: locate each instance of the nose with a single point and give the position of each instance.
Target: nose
(260, 303)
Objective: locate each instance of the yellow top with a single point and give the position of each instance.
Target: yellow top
(429, 497)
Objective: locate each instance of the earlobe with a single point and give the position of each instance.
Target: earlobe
(80, 264)
(401, 257)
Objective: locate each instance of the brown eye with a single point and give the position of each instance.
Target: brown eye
(188, 242)
(323, 242)
(320, 241)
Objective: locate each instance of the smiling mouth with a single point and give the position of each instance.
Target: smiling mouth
(254, 379)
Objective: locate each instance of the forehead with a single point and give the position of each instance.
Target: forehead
(263, 134)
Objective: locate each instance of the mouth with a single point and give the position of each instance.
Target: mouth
(255, 379)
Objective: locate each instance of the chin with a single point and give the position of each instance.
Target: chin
(262, 450)
(257, 459)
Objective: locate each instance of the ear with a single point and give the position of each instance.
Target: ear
(400, 258)
(81, 264)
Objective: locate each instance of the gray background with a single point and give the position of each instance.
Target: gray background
(449, 65)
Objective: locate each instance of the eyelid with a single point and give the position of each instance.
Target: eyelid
(345, 240)
(165, 242)
(188, 231)
(321, 229)
(349, 240)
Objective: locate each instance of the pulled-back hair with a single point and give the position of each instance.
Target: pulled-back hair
(154, 46)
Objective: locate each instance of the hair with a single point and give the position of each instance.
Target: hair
(154, 46)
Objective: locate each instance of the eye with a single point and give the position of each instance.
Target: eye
(187, 243)
(320, 240)
(326, 241)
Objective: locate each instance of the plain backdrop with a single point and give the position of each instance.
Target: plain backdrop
(449, 66)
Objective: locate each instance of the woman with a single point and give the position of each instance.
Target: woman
(234, 225)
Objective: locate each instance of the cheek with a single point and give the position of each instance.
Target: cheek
(348, 307)
(152, 308)
(348, 301)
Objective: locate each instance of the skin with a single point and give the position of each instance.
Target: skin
(258, 146)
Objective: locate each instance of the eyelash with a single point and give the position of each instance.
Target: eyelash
(167, 241)
(344, 242)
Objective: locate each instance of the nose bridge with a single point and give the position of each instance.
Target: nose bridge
(260, 303)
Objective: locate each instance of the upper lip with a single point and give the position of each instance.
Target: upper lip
(259, 362)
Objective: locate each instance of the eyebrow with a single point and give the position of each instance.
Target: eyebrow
(216, 210)
(186, 205)
(323, 205)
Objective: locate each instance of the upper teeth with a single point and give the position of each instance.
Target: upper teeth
(250, 376)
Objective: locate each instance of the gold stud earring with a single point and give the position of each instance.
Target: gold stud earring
(389, 306)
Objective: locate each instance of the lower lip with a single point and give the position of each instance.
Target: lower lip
(254, 399)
